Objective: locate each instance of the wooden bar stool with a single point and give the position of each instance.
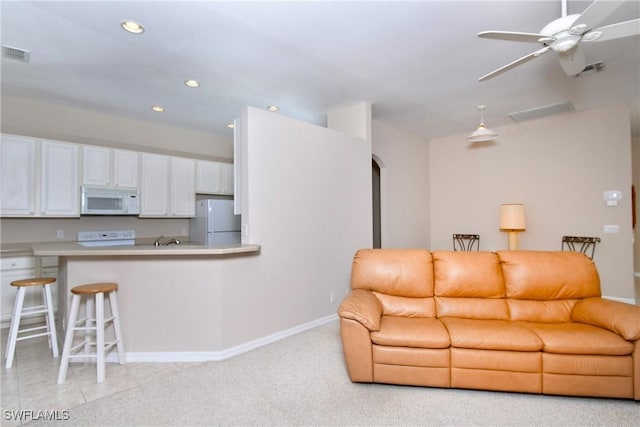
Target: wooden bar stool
(20, 311)
(97, 290)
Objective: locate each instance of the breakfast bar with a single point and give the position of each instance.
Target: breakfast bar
(169, 296)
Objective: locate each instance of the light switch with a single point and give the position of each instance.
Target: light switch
(611, 228)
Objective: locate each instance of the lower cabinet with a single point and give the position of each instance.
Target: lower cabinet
(17, 268)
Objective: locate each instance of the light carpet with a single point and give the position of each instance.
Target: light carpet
(302, 380)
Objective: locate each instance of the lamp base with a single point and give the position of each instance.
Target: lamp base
(513, 240)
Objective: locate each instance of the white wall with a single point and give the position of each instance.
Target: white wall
(53, 121)
(558, 167)
(404, 181)
(308, 193)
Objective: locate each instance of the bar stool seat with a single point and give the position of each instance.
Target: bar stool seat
(90, 292)
(19, 311)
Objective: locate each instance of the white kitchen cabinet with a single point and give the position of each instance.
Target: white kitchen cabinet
(17, 189)
(167, 186)
(154, 185)
(214, 177)
(183, 188)
(109, 167)
(227, 178)
(59, 186)
(18, 268)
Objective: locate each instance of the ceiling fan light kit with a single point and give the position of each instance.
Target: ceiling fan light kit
(482, 133)
(565, 35)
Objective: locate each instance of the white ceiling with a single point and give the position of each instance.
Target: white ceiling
(416, 62)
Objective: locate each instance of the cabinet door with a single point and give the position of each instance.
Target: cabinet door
(183, 188)
(60, 192)
(17, 190)
(227, 178)
(154, 185)
(15, 269)
(125, 168)
(96, 165)
(209, 177)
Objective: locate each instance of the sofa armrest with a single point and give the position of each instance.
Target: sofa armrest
(618, 317)
(363, 307)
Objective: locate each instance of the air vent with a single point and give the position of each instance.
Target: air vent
(15, 53)
(536, 113)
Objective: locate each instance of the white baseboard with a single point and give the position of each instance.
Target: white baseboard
(626, 300)
(215, 356)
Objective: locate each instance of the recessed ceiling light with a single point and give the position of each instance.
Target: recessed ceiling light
(192, 83)
(231, 125)
(157, 108)
(273, 108)
(132, 27)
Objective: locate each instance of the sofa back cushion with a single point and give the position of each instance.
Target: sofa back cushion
(402, 279)
(398, 272)
(544, 286)
(469, 285)
(545, 276)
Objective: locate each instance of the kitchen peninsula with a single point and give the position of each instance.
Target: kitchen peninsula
(170, 305)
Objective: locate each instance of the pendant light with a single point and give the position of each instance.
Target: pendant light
(482, 134)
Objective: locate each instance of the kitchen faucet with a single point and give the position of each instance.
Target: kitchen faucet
(168, 242)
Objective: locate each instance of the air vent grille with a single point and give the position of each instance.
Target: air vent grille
(538, 112)
(15, 53)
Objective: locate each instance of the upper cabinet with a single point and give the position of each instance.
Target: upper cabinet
(17, 190)
(56, 193)
(214, 177)
(59, 188)
(109, 167)
(167, 186)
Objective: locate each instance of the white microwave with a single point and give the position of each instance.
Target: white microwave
(109, 201)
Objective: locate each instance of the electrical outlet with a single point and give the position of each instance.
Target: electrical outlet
(60, 234)
(332, 297)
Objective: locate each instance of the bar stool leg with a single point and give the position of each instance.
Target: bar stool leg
(15, 325)
(51, 325)
(115, 312)
(89, 319)
(100, 368)
(68, 340)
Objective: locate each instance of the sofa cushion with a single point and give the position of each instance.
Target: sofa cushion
(400, 272)
(472, 308)
(538, 275)
(467, 274)
(491, 335)
(421, 332)
(541, 311)
(578, 338)
(408, 307)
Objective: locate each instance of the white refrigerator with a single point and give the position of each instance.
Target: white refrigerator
(214, 223)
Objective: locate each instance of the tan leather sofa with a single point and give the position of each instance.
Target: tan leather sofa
(520, 321)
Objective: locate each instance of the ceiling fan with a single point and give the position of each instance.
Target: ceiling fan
(564, 36)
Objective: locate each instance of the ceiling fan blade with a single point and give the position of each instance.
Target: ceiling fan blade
(515, 63)
(572, 62)
(614, 31)
(594, 14)
(512, 36)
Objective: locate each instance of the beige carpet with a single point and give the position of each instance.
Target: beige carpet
(302, 380)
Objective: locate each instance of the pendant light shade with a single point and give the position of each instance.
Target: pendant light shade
(482, 133)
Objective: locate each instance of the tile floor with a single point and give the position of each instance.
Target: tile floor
(31, 384)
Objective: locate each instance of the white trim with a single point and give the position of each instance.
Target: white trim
(626, 300)
(216, 356)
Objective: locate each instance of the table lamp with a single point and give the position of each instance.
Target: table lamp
(512, 220)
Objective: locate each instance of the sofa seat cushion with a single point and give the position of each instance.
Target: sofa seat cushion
(419, 332)
(578, 338)
(491, 335)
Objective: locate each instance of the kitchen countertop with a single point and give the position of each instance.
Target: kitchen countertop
(74, 249)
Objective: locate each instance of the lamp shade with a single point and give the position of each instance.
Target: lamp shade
(512, 217)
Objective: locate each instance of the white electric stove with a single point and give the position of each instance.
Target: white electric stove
(107, 238)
